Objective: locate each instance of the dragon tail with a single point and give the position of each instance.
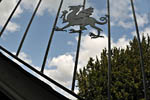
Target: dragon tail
(103, 19)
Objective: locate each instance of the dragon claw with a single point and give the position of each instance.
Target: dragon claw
(93, 36)
(74, 31)
(60, 29)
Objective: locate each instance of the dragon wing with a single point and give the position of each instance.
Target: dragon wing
(86, 12)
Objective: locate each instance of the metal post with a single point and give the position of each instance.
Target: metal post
(84, 2)
(27, 29)
(4, 27)
(76, 61)
(51, 37)
(77, 55)
(140, 50)
(109, 52)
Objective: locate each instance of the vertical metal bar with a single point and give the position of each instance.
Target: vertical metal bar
(140, 50)
(51, 37)
(84, 2)
(77, 55)
(76, 61)
(109, 52)
(4, 27)
(28, 27)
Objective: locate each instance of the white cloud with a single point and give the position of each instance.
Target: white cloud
(64, 68)
(23, 56)
(12, 27)
(126, 25)
(62, 73)
(122, 15)
(29, 4)
(70, 43)
(142, 19)
(93, 47)
(121, 43)
(144, 32)
(64, 64)
(6, 8)
(49, 5)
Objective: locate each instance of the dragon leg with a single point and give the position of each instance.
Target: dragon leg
(92, 35)
(83, 27)
(68, 25)
(62, 29)
(97, 28)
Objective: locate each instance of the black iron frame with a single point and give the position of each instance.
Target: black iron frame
(40, 73)
(78, 49)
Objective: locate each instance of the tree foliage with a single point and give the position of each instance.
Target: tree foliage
(126, 77)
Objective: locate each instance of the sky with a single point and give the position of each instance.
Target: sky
(61, 58)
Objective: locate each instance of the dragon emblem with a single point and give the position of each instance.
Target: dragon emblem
(81, 18)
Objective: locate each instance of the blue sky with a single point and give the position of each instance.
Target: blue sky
(61, 57)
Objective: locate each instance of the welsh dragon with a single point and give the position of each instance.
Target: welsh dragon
(81, 18)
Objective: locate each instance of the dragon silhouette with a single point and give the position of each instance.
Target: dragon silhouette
(81, 18)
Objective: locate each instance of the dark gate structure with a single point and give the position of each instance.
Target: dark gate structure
(12, 89)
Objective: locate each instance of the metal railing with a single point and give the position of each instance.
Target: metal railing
(40, 73)
(78, 48)
(47, 50)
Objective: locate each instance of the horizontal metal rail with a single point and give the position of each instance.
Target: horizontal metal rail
(41, 74)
